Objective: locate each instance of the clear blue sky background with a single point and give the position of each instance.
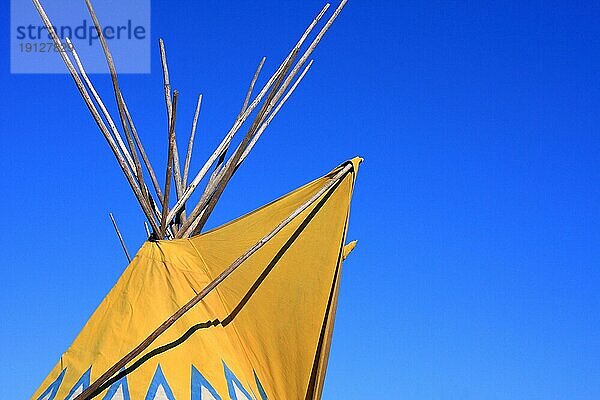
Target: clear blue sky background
(477, 207)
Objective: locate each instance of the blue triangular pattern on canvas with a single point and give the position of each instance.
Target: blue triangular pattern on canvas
(198, 382)
(261, 390)
(50, 392)
(157, 381)
(232, 383)
(82, 383)
(114, 388)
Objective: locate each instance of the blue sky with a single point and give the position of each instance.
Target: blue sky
(476, 209)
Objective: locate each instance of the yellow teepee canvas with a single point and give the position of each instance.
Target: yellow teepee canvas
(244, 311)
(263, 333)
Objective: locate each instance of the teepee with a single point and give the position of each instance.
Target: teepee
(243, 311)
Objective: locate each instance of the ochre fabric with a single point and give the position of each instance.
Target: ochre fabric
(264, 332)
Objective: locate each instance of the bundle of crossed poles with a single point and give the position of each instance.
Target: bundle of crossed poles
(176, 221)
(163, 221)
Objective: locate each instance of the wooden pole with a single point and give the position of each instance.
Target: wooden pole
(116, 133)
(167, 87)
(266, 123)
(244, 106)
(216, 177)
(228, 171)
(165, 205)
(118, 97)
(188, 156)
(296, 69)
(97, 118)
(311, 48)
(112, 218)
(89, 392)
(203, 211)
(252, 83)
(268, 120)
(100, 103)
(114, 129)
(140, 147)
(241, 119)
(145, 193)
(192, 229)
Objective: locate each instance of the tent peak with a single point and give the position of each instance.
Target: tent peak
(173, 221)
